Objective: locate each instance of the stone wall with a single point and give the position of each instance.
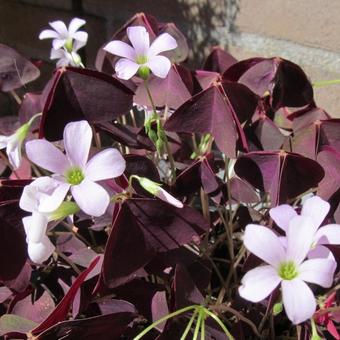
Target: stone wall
(304, 31)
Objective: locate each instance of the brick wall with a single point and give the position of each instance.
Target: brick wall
(304, 31)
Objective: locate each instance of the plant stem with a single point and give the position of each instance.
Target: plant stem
(188, 327)
(164, 318)
(323, 83)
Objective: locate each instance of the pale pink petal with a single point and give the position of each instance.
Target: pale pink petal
(300, 236)
(166, 197)
(35, 227)
(77, 142)
(282, 214)
(159, 65)
(3, 141)
(316, 208)
(320, 252)
(319, 271)
(80, 36)
(77, 44)
(40, 252)
(48, 34)
(329, 234)
(60, 27)
(298, 300)
(120, 49)
(74, 25)
(47, 156)
(106, 164)
(14, 154)
(57, 54)
(163, 42)
(263, 243)
(52, 202)
(126, 68)
(258, 283)
(58, 43)
(139, 38)
(91, 197)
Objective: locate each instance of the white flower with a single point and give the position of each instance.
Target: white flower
(63, 36)
(286, 267)
(74, 170)
(65, 58)
(44, 199)
(141, 57)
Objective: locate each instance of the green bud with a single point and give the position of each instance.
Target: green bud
(278, 308)
(65, 209)
(150, 186)
(160, 146)
(144, 72)
(153, 136)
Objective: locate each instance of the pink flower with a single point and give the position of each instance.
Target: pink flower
(141, 57)
(286, 267)
(317, 209)
(75, 170)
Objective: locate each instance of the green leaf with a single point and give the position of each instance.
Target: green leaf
(14, 323)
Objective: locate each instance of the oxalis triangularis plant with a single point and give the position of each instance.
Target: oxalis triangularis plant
(145, 200)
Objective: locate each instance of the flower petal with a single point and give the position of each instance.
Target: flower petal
(300, 237)
(298, 300)
(329, 234)
(316, 208)
(3, 141)
(74, 25)
(48, 34)
(319, 271)
(120, 49)
(57, 54)
(163, 42)
(58, 43)
(159, 65)
(47, 156)
(139, 38)
(13, 151)
(91, 197)
(282, 215)
(35, 227)
(60, 28)
(77, 142)
(263, 243)
(106, 164)
(50, 203)
(40, 252)
(166, 197)
(320, 252)
(126, 68)
(80, 36)
(258, 283)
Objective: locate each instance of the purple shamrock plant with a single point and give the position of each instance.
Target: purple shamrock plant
(147, 199)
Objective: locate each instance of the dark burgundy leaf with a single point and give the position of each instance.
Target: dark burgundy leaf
(13, 241)
(62, 309)
(219, 60)
(217, 111)
(185, 291)
(15, 70)
(282, 174)
(78, 94)
(103, 327)
(284, 80)
(148, 226)
(32, 104)
(207, 78)
(127, 135)
(241, 191)
(330, 133)
(329, 158)
(170, 91)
